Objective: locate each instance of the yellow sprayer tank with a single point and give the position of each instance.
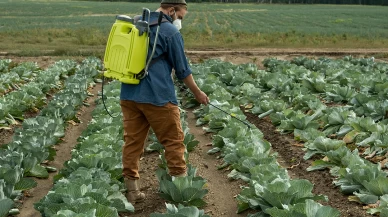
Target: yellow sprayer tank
(126, 51)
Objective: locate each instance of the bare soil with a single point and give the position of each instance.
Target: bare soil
(292, 156)
(257, 55)
(221, 197)
(6, 135)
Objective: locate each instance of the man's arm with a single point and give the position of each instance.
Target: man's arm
(176, 55)
(199, 95)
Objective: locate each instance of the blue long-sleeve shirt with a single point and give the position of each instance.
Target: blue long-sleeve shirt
(158, 88)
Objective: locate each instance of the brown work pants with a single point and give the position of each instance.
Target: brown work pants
(165, 122)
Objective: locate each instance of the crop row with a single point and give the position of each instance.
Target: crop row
(32, 95)
(12, 76)
(319, 103)
(270, 190)
(33, 143)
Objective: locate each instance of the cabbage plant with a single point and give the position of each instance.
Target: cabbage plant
(180, 211)
(188, 190)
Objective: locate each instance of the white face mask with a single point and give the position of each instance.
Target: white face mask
(178, 24)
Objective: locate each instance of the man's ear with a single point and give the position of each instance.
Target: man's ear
(171, 11)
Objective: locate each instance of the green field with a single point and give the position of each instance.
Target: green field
(36, 27)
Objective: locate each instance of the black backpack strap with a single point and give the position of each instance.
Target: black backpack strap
(138, 17)
(156, 22)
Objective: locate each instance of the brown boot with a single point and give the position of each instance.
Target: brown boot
(133, 191)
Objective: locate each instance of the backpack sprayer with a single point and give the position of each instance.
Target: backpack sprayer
(126, 51)
(127, 48)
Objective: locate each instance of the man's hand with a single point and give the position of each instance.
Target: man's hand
(202, 98)
(199, 95)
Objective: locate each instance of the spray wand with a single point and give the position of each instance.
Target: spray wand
(231, 114)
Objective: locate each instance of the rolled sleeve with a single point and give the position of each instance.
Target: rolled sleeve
(177, 57)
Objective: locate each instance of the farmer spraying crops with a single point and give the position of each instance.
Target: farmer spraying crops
(153, 103)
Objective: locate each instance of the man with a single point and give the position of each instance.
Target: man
(153, 103)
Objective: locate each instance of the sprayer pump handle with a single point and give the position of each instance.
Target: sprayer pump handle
(160, 17)
(144, 14)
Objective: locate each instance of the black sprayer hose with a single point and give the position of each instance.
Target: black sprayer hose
(231, 114)
(102, 96)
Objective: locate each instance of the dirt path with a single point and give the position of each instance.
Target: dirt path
(6, 135)
(220, 199)
(63, 154)
(256, 56)
(296, 167)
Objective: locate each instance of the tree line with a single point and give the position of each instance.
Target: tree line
(348, 2)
